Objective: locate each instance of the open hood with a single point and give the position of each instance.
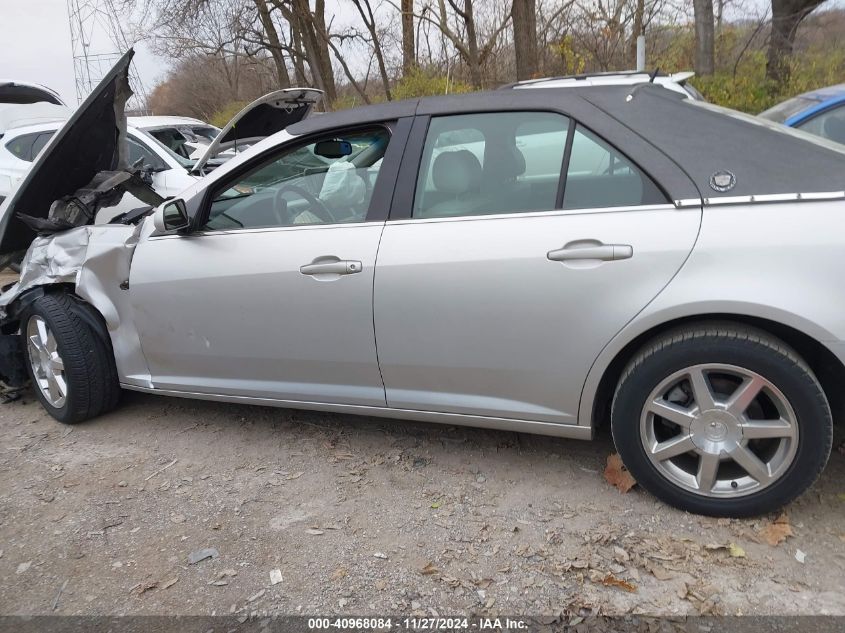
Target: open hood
(82, 168)
(262, 118)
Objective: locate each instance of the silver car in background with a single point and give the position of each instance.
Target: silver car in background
(542, 261)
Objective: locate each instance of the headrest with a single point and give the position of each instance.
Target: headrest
(456, 172)
(505, 162)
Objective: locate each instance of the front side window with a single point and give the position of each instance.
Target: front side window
(143, 157)
(599, 176)
(830, 124)
(479, 164)
(328, 181)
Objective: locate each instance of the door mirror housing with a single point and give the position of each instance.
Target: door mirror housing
(171, 216)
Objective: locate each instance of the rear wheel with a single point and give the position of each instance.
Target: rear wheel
(70, 365)
(722, 420)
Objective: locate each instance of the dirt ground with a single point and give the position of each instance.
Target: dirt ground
(373, 516)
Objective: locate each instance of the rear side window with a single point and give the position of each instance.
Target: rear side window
(599, 176)
(40, 142)
(21, 147)
(479, 164)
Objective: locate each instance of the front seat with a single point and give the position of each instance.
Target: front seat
(456, 176)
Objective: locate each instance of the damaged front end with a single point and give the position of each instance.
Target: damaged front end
(51, 216)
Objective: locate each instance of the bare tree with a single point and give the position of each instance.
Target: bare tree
(409, 55)
(524, 14)
(704, 37)
(458, 27)
(366, 13)
(786, 16)
(273, 44)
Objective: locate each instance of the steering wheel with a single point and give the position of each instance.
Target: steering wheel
(315, 205)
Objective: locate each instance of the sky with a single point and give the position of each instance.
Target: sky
(35, 46)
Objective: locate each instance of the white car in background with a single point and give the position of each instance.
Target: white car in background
(23, 134)
(21, 92)
(676, 82)
(186, 136)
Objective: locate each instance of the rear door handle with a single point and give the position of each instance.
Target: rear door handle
(334, 267)
(604, 252)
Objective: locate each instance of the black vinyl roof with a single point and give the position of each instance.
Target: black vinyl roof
(679, 142)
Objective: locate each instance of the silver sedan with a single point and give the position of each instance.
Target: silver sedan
(543, 261)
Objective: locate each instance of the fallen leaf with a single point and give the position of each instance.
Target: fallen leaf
(731, 548)
(777, 532)
(256, 596)
(339, 573)
(429, 569)
(145, 587)
(617, 475)
(295, 475)
(436, 504)
(169, 583)
(612, 581)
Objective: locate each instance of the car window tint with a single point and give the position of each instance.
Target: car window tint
(329, 181)
(479, 164)
(21, 146)
(599, 176)
(829, 124)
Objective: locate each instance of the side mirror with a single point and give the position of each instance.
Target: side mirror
(171, 216)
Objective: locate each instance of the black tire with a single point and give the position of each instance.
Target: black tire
(730, 344)
(89, 369)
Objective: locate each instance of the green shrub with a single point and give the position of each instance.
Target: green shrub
(419, 83)
(749, 90)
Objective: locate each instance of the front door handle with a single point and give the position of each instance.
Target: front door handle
(332, 267)
(603, 252)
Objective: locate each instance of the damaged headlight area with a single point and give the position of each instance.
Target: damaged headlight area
(80, 208)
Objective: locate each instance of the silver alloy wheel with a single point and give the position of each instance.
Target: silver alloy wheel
(47, 365)
(719, 430)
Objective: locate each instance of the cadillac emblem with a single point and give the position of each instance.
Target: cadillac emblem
(722, 181)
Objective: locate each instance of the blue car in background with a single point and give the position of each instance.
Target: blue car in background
(820, 112)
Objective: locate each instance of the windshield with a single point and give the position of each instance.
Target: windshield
(782, 111)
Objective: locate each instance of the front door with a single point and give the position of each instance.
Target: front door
(497, 294)
(272, 296)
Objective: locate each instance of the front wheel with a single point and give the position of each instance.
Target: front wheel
(722, 420)
(70, 365)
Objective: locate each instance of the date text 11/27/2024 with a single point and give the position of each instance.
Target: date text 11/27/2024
(418, 624)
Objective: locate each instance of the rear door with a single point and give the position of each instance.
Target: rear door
(498, 282)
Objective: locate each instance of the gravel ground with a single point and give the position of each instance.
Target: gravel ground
(367, 516)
